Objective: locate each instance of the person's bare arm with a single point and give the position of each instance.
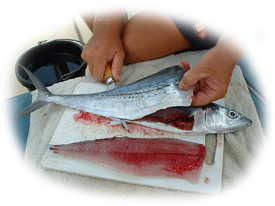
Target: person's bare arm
(211, 76)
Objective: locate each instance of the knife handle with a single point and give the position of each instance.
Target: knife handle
(108, 72)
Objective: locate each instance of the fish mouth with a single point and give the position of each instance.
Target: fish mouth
(248, 123)
(243, 124)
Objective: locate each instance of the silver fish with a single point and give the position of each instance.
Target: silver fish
(154, 101)
(211, 118)
(132, 101)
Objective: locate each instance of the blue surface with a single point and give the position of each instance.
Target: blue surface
(20, 125)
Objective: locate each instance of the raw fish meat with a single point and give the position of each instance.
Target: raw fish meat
(147, 157)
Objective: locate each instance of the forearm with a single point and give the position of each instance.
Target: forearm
(108, 23)
(211, 76)
(228, 50)
(110, 19)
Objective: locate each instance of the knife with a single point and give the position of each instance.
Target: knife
(108, 77)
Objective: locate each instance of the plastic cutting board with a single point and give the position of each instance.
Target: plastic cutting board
(68, 131)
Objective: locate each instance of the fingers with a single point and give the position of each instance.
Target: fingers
(206, 96)
(186, 66)
(191, 77)
(97, 69)
(200, 99)
(97, 65)
(98, 53)
(205, 86)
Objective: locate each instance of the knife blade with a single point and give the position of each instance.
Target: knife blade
(108, 77)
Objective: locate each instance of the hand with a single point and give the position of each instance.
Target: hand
(105, 46)
(210, 77)
(100, 50)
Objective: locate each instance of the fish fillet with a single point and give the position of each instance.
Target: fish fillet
(147, 157)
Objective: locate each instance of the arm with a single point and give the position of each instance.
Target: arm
(105, 45)
(211, 76)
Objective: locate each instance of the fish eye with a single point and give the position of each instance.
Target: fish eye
(233, 115)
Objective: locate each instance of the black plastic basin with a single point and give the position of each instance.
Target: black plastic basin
(51, 62)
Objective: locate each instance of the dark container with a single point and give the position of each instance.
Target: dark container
(51, 62)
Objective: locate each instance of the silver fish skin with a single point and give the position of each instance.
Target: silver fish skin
(211, 118)
(132, 101)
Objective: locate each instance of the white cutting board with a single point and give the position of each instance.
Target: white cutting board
(69, 131)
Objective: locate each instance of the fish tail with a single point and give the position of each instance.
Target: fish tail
(43, 94)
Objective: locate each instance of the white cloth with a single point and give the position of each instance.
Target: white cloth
(240, 147)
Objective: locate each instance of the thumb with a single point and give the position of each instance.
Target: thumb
(117, 66)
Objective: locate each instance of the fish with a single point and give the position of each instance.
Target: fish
(154, 101)
(132, 101)
(212, 118)
(144, 157)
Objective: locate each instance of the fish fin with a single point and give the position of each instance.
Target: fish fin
(37, 83)
(34, 106)
(115, 122)
(123, 122)
(43, 94)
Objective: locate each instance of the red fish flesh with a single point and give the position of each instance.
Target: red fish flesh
(172, 116)
(147, 157)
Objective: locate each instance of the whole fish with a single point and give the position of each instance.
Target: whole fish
(147, 157)
(154, 101)
(132, 101)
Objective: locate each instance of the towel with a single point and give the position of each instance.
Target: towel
(240, 150)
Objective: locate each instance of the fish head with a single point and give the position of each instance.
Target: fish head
(219, 119)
